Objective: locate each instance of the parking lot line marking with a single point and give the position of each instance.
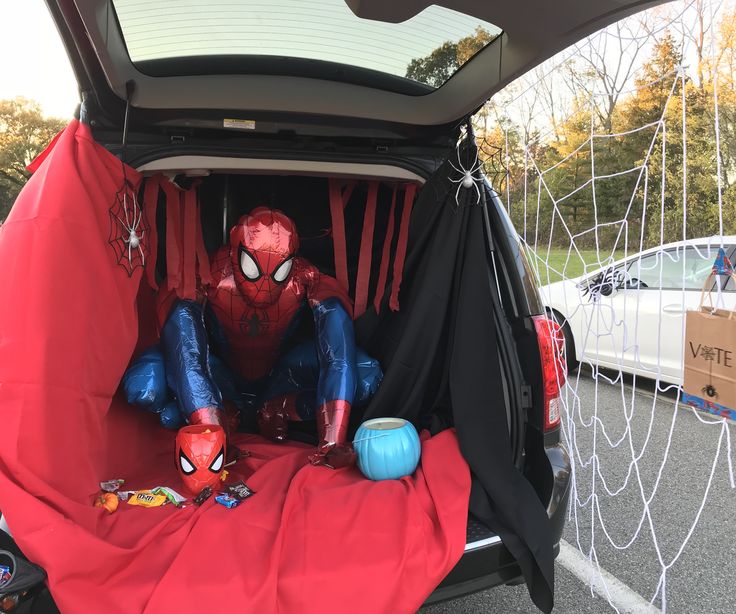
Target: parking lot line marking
(623, 597)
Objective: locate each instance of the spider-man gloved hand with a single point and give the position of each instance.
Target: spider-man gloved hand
(333, 449)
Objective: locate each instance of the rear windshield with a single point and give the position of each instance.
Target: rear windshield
(428, 48)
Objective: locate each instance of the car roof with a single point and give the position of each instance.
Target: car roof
(280, 87)
(712, 242)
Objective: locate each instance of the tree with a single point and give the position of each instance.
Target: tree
(24, 133)
(602, 68)
(444, 61)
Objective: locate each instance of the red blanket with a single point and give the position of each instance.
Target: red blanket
(310, 540)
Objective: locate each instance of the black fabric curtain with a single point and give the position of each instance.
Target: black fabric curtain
(442, 368)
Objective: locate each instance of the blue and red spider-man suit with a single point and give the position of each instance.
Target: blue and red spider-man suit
(231, 345)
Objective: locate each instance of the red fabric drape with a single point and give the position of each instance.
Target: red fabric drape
(186, 256)
(310, 540)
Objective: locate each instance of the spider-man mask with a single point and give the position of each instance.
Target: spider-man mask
(200, 455)
(262, 248)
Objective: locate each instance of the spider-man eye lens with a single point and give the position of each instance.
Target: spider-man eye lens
(187, 467)
(248, 266)
(217, 463)
(282, 271)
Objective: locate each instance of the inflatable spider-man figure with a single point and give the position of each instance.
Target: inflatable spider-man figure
(230, 346)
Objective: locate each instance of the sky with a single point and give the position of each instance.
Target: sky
(34, 62)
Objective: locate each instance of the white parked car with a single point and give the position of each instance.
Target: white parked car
(630, 314)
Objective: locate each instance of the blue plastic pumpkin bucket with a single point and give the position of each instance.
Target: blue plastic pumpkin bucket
(387, 448)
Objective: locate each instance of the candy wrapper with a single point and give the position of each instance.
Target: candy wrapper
(228, 501)
(171, 495)
(145, 498)
(239, 490)
(111, 485)
(205, 494)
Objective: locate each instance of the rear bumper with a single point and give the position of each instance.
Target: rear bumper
(486, 562)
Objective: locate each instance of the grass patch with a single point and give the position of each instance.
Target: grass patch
(561, 264)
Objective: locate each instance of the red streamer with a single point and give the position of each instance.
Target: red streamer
(366, 251)
(337, 205)
(188, 202)
(150, 203)
(173, 230)
(203, 260)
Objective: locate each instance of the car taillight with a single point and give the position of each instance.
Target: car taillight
(554, 371)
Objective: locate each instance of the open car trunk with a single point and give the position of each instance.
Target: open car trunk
(225, 196)
(440, 335)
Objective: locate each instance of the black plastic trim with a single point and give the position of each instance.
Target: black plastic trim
(142, 153)
(559, 460)
(282, 66)
(509, 574)
(507, 346)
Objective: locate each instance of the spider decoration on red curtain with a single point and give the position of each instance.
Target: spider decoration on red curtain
(235, 345)
(128, 229)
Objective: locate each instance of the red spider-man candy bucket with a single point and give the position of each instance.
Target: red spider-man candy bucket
(200, 455)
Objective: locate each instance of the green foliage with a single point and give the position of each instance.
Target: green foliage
(24, 133)
(441, 64)
(653, 214)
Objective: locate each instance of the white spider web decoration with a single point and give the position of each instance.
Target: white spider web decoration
(622, 452)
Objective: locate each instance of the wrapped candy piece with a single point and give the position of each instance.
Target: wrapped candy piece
(227, 500)
(171, 495)
(146, 498)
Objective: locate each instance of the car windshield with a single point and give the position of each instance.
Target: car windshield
(428, 48)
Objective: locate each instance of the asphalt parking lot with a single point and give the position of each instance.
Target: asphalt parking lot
(700, 580)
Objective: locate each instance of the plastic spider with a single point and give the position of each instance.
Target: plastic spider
(467, 176)
(710, 391)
